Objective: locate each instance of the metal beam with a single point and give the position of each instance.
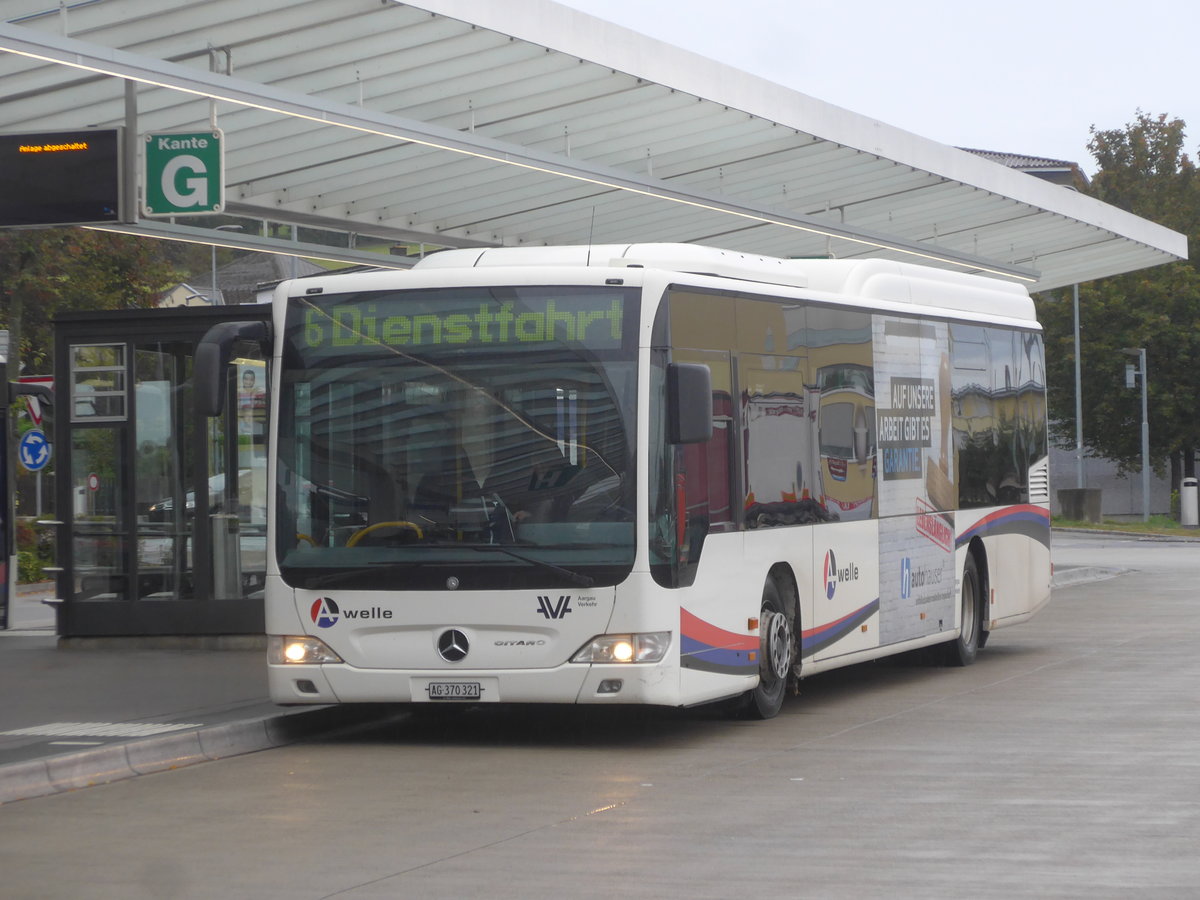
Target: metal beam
(256, 243)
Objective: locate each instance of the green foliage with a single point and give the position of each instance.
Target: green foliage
(1155, 525)
(57, 270)
(1158, 309)
(1143, 169)
(35, 550)
(29, 568)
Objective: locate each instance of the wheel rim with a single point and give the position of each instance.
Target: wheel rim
(970, 609)
(776, 656)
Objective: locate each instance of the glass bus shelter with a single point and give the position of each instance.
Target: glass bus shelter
(161, 513)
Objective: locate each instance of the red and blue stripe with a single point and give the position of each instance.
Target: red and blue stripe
(822, 636)
(1030, 521)
(708, 648)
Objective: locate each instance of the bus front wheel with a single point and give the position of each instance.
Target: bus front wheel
(776, 655)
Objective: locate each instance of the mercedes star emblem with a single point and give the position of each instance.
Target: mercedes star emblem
(453, 645)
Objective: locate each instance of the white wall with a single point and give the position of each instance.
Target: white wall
(1119, 497)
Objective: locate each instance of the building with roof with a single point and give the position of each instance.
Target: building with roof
(1057, 171)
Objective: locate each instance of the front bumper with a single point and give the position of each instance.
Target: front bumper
(570, 683)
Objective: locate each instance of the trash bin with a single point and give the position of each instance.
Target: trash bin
(1187, 504)
(227, 558)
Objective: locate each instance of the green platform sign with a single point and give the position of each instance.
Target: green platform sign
(183, 174)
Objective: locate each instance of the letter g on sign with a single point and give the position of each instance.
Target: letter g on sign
(195, 192)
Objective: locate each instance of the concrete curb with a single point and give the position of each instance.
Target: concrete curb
(32, 588)
(104, 765)
(167, 642)
(1140, 535)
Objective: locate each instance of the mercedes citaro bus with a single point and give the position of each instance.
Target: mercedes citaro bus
(641, 474)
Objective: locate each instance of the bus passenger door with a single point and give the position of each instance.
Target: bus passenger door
(781, 511)
(842, 379)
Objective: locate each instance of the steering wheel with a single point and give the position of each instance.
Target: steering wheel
(359, 535)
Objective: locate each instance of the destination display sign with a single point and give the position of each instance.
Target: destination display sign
(595, 318)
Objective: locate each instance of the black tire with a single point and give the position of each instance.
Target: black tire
(963, 649)
(776, 656)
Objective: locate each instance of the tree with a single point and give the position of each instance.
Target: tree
(1142, 168)
(48, 271)
(54, 270)
(1158, 309)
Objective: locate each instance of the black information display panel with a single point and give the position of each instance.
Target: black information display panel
(60, 178)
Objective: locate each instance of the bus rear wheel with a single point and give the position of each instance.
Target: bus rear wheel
(963, 650)
(776, 656)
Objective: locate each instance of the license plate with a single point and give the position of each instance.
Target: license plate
(454, 690)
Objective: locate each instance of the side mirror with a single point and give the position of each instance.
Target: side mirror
(213, 354)
(43, 393)
(689, 403)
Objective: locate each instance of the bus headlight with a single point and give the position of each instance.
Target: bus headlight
(648, 647)
(289, 649)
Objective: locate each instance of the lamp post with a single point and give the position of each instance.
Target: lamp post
(1131, 375)
(1078, 397)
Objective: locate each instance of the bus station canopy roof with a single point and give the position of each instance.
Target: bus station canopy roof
(369, 123)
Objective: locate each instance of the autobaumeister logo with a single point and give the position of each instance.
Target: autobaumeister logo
(324, 612)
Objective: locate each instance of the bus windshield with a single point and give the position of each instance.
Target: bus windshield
(466, 438)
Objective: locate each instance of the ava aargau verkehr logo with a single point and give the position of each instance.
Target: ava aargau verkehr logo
(324, 612)
(830, 574)
(833, 574)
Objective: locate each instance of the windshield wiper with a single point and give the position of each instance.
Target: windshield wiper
(573, 577)
(333, 578)
(356, 572)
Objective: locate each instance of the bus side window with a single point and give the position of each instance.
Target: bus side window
(779, 440)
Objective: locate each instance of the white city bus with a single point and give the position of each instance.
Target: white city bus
(643, 474)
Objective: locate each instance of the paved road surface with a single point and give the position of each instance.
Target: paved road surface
(1064, 764)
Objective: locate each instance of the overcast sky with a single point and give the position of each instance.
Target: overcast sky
(1028, 78)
